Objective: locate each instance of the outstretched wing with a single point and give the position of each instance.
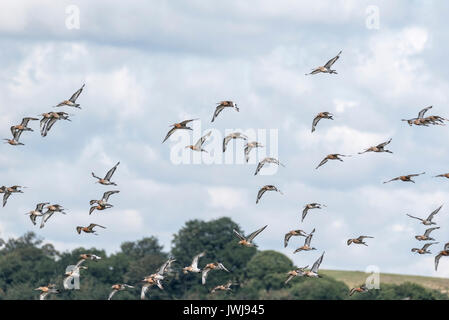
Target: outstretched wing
(196, 258)
(304, 213)
(111, 172)
(255, 233)
(317, 263)
(414, 217)
(332, 61)
(93, 225)
(5, 197)
(169, 133)
(437, 260)
(309, 238)
(111, 294)
(322, 162)
(423, 111)
(26, 120)
(428, 231)
(183, 123)
(76, 94)
(427, 245)
(108, 193)
(260, 194)
(394, 179)
(434, 213)
(204, 276)
(286, 239)
(201, 141)
(315, 122)
(383, 144)
(145, 288)
(238, 234)
(217, 112)
(260, 165)
(226, 141)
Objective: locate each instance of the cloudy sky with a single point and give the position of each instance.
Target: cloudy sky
(149, 65)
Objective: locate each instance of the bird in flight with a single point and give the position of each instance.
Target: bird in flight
(50, 119)
(37, 212)
(88, 229)
(250, 146)
(306, 246)
(209, 267)
(293, 233)
(223, 287)
(443, 253)
(194, 266)
(104, 199)
(224, 104)
(319, 116)
(359, 289)
(265, 161)
(233, 136)
(118, 287)
(248, 241)
(426, 235)
(313, 272)
(156, 278)
(299, 272)
(15, 138)
(51, 209)
(309, 206)
(327, 67)
(7, 191)
(199, 144)
(406, 178)
(23, 126)
(424, 250)
(421, 121)
(378, 148)
(359, 240)
(264, 189)
(107, 178)
(87, 256)
(46, 290)
(443, 175)
(334, 156)
(428, 221)
(178, 126)
(72, 101)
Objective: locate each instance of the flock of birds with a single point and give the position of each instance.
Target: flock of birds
(155, 279)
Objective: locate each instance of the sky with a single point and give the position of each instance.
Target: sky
(148, 65)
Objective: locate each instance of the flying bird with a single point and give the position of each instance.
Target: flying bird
(443, 175)
(319, 116)
(299, 272)
(248, 241)
(104, 199)
(118, 287)
(426, 235)
(223, 287)
(424, 250)
(194, 266)
(265, 161)
(199, 144)
(51, 209)
(428, 221)
(334, 156)
(72, 101)
(313, 272)
(156, 278)
(107, 178)
(37, 212)
(15, 138)
(46, 290)
(406, 178)
(359, 289)
(176, 126)
(250, 146)
(293, 233)
(233, 136)
(419, 121)
(264, 189)
(89, 228)
(378, 148)
(51, 120)
(87, 256)
(100, 207)
(8, 191)
(327, 67)
(443, 253)
(209, 267)
(358, 240)
(309, 206)
(23, 126)
(224, 104)
(306, 246)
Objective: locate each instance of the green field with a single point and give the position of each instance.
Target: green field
(355, 278)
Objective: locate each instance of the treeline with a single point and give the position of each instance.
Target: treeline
(27, 263)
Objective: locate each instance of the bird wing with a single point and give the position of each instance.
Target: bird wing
(79, 263)
(260, 165)
(256, 233)
(221, 267)
(428, 231)
(217, 112)
(363, 237)
(322, 162)
(145, 288)
(423, 111)
(108, 193)
(309, 238)
(5, 197)
(332, 61)
(383, 144)
(434, 213)
(111, 172)
(437, 260)
(415, 174)
(397, 178)
(169, 133)
(315, 122)
(40, 206)
(317, 263)
(48, 126)
(201, 141)
(183, 123)
(93, 225)
(414, 217)
(196, 258)
(112, 293)
(260, 194)
(17, 134)
(238, 234)
(304, 213)
(225, 142)
(204, 275)
(427, 245)
(76, 94)
(446, 246)
(286, 239)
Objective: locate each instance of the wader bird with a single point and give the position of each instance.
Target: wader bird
(194, 266)
(156, 278)
(378, 148)
(248, 241)
(176, 126)
(199, 144)
(89, 228)
(421, 121)
(264, 189)
(359, 240)
(51, 209)
(443, 253)
(443, 175)
(310, 206)
(313, 273)
(15, 139)
(118, 287)
(23, 126)
(249, 146)
(104, 199)
(406, 178)
(222, 105)
(106, 181)
(334, 156)
(267, 160)
(49, 120)
(7, 191)
(359, 289)
(37, 212)
(295, 273)
(233, 136)
(45, 291)
(424, 250)
(209, 267)
(293, 233)
(327, 67)
(426, 235)
(87, 256)
(72, 100)
(319, 116)
(223, 287)
(428, 221)
(306, 246)
(100, 207)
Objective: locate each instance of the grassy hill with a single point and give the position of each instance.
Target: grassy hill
(355, 278)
